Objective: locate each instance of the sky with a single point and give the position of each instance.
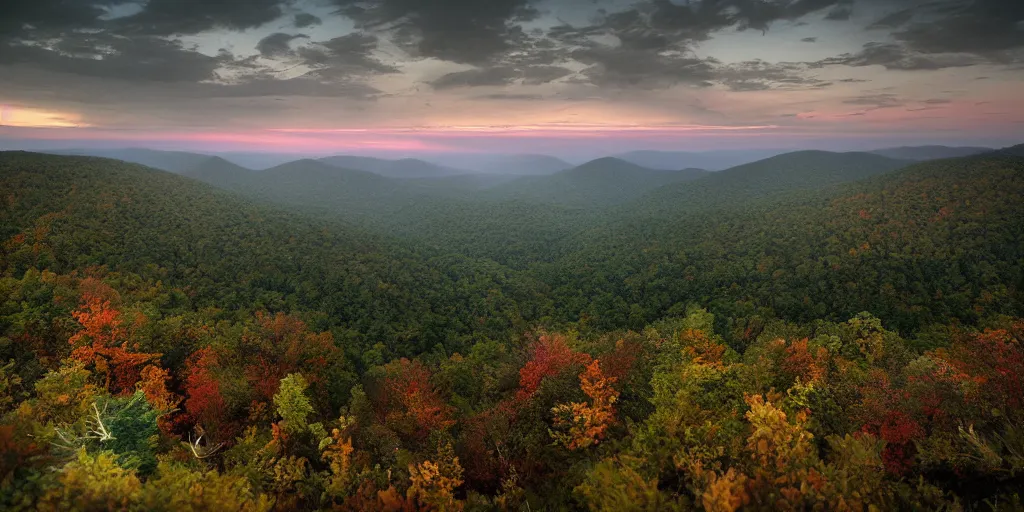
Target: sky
(562, 77)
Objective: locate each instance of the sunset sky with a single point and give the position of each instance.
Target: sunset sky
(547, 76)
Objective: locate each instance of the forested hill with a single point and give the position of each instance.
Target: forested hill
(935, 242)
(595, 184)
(827, 336)
(782, 174)
(70, 214)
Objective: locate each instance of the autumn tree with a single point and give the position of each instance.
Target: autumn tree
(579, 425)
(204, 402)
(413, 405)
(548, 356)
(102, 343)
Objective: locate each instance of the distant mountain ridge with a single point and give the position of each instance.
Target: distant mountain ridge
(520, 165)
(599, 182)
(710, 160)
(922, 153)
(789, 172)
(177, 162)
(404, 168)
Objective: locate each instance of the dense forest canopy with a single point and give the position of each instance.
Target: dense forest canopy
(811, 331)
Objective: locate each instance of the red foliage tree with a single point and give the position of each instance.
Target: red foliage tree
(550, 355)
(204, 402)
(884, 413)
(993, 362)
(286, 345)
(410, 399)
(618, 363)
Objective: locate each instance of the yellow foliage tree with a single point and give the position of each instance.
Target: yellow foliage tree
(433, 484)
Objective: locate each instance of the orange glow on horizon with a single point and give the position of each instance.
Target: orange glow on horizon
(21, 117)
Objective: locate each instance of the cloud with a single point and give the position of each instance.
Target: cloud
(876, 101)
(502, 96)
(468, 32)
(278, 44)
(305, 19)
(898, 57)
(841, 13)
(893, 20)
(536, 75)
(500, 75)
(809, 40)
(987, 28)
(623, 67)
(757, 75)
(475, 78)
(168, 17)
(345, 57)
(135, 59)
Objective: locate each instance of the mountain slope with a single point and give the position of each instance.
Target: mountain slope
(170, 161)
(521, 165)
(711, 160)
(921, 153)
(68, 214)
(782, 174)
(907, 246)
(601, 182)
(221, 173)
(405, 168)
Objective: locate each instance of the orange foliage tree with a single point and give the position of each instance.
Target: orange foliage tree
(102, 342)
(587, 423)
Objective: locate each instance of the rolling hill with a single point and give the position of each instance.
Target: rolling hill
(710, 160)
(66, 213)
(782, 174)
(598, 183)
(171, 161)
(405, 168)
(904, 245)
(921, 153)
(519, 165)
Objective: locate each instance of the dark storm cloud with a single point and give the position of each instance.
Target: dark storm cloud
(278, 44)
(943, 34)
(758, 75)
(476, 77)
(841, 13)
(72, 38)
(500, 75)
(102, 55)
(167, 17)
(987, 28)
(345, 56)
(464, 31)
(624, 67)
(305, 19)
(893, 20)
(898, 57)
(20, 18)
(656, 38)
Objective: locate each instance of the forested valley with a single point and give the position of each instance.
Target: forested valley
(810, 331)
